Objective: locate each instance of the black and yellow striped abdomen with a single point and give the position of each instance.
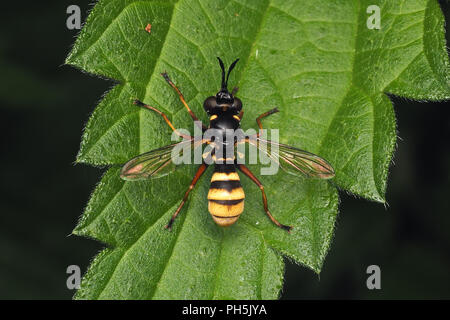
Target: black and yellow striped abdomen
(225, 196)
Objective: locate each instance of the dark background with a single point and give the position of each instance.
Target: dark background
(44, 106)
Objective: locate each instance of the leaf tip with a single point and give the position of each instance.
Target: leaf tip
(77, 231)
(82, 158)
(317, 269)
(78, 160)
(70, 60)
(380, 198)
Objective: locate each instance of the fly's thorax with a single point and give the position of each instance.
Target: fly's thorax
(225, 120)
(222, 145)
(225, 196)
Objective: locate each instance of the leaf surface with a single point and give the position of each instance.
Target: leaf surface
(316, 61)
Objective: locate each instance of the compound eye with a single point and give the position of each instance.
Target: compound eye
(209, 104)
(237, 104)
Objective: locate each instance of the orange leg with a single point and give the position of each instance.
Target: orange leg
(265, 114)
(249, 174)
(193, 116)
(241, 114)
(197, 176)
(143, 105)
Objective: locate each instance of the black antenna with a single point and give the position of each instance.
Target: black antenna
(229, 70)
(224, 84)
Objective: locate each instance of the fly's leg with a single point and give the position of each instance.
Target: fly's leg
(241, 115)
(143, 105)
(249, 174)
(197, 176)
(180, 95)
(265, 114)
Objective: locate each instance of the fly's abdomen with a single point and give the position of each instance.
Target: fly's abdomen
(226, 196)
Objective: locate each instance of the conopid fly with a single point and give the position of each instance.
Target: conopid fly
(226, 196)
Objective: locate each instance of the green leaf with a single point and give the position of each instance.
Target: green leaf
(315, 60)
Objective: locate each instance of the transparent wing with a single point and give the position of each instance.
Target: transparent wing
(294, 161)
(158, 162)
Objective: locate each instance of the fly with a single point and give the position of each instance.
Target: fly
(226, 195)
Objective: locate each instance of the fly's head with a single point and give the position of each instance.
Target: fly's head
(223, 101)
